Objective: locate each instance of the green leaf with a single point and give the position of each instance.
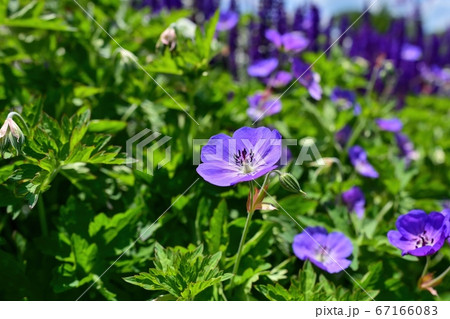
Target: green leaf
(106, 126)
(217, 234)
(181, 272)
(210, 30)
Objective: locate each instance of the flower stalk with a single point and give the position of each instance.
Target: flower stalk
(254, 202)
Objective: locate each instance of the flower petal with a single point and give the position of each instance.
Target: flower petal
(274, 37)
(219, 174)
(217, 149)
(263, 68)
(412, 224)
(339, 246)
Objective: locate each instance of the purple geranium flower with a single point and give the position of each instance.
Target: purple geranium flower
(406, 147)
(327, 251)
(281, 79)
(434, 74)
(391, 125)
(307, 78)
(292, 41)
(250, 153)
(343, 135)
(345, 100)
(263, 68)
(358, 157)
(355, 200)
(262, 105)
(411, 52)
(227, 20)
(419, 234)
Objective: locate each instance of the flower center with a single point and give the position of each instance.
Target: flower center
(322, 254)
(244, 160)
(423, 240)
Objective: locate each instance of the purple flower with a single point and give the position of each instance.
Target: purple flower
(411, 52)
(434, 74)
(227, 20)
(345, 100)
(290, 42)
(250, 153)
(390, 125)
(406, 147)
(262, 105)
(343, 135)
(263, 68)
(419, 234)
(327, 251)
(355, 200)
(281, 79)
(358, 157)
(307, 78)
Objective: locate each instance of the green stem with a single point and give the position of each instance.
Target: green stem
(241, 244)
(425, 269)
(438, 279)
(244, 233)
(371, 85)
(42, 219)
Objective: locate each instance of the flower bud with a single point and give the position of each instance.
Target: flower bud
(169, 38)
(10, 133)
(290, 183)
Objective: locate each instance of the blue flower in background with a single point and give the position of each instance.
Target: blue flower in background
(328, 251)
(263, 68)
(289, 42)
(307, 78)
(281, 79)
(419, 234)
(227, 20)
(390, 125)
(250, 153)
(355, 200)
(262, 105)
(406, 148)
(358, 158)
(343, 135)
(411, 52)
(345, 100)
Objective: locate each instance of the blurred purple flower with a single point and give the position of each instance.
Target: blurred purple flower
(311, 23)
(343, 135)
(345, 100)
(390, 125)
(307, 78)
(262, 105)
(358, 158)
(355, 200)
(419, 234)
(227, 20)
(406, 147)
(434, 74)
(250, 153)
(281, 79)
(289, 42)
(328, 251)
(263, 68)
(411, 52)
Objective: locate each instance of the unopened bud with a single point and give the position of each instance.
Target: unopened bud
(290, 183)
(169, 38)
(10, 133)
